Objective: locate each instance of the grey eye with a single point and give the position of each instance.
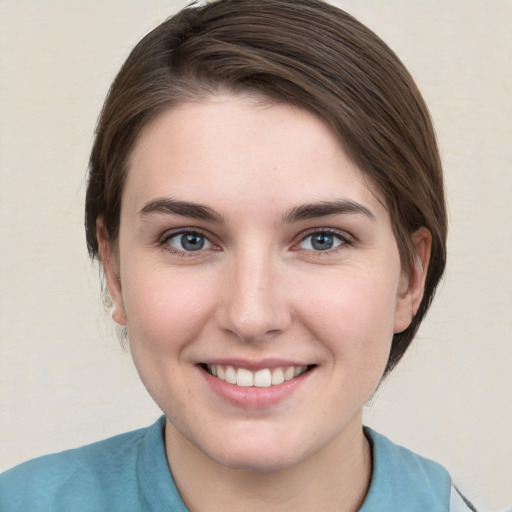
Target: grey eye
(321, 241)
(189, 242)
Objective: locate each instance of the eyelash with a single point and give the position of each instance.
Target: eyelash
(164, 241)
(344, 239)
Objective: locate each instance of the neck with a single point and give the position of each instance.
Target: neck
(334, 479)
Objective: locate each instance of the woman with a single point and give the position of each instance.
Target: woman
(265, 197)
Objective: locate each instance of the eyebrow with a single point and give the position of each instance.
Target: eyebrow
(183, 208)
(302, 212)
(325, 208)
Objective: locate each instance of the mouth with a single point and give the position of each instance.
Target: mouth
(262, 378)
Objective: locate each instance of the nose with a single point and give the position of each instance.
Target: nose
(254, 305)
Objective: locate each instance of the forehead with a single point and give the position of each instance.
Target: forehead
(239, 148)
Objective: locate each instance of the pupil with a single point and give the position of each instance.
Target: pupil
(192, 242)
(322, 242)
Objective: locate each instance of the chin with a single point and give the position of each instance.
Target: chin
(262, 459)
(266, 449)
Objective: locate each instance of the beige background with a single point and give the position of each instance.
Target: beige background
(65, 381)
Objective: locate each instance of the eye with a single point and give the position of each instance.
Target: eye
(190, 241)
(322, 241)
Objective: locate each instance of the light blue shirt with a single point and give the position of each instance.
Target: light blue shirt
(129, 473)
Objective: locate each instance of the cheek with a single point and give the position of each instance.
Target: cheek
(163, 309)
(353, 314)
(165, 314)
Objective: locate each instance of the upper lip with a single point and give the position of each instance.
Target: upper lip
(254, 364)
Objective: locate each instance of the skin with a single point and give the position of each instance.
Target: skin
(258, 292)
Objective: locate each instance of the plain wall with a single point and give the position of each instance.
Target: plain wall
(64, 378)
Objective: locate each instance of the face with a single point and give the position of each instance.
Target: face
(259, 280)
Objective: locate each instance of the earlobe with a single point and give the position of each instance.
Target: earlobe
(412, 284)
(110, 267)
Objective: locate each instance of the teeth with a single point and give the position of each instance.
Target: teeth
(289, 373)
(263, 378)
(230, 375)
(244, 378)
(277, 376)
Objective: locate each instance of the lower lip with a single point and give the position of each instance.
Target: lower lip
(254, 397)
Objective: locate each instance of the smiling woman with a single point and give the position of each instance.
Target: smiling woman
(255, 297)
(266, 200)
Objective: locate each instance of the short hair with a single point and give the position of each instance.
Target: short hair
(306, 53)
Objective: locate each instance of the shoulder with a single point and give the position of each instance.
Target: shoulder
(77, 479)
(396, 455)
(404, 480)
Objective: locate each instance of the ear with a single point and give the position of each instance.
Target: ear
(110, 267)
(412, 285)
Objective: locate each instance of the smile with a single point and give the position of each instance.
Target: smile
(264, 378)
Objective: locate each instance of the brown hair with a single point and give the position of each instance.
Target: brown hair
(303, 52)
